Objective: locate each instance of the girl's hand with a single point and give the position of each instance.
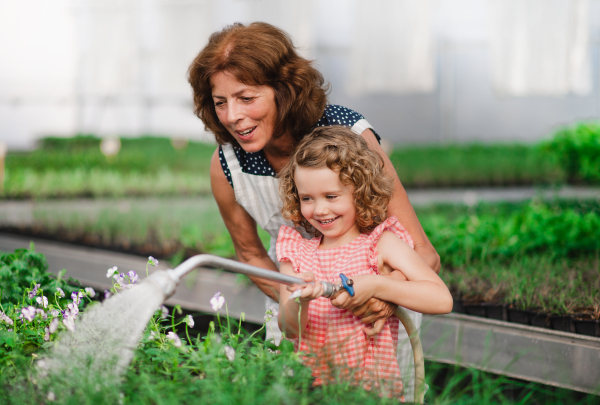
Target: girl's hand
(364, 290)
(310, 291)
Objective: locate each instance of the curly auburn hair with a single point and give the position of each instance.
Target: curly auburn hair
(259, 54)
(339, 149)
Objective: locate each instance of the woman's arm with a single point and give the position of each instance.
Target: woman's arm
(242, 228)
(400, 207)
(423, 291)
(288, 308)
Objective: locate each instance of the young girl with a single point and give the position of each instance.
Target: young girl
(335, 187)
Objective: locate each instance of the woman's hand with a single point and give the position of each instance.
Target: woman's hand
(308, 292)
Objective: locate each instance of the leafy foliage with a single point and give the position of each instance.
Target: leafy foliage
(577, 150)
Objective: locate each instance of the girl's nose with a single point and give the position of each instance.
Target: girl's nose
(321, 207)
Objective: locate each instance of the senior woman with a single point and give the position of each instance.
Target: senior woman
(259, 98)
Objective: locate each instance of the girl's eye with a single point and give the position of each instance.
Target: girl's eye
(304, 199)
(331, 197)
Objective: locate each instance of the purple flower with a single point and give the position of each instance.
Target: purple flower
(107, 294)
(43, 301)
(54, 312)
(111, 271)
(73, 310)
(189, 320)
(33, 292)
(6, 319)
(60, 292)
(271, 313)
(76, 296)
(90, 292)
(133, 277)
(217, 301)
(152, 261)
(46, 334)
(120, 279)
(41, 311)
(28, 313)
(173, 336)
(53, 325)
(164, 312)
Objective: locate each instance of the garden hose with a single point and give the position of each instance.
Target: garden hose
(168, 281)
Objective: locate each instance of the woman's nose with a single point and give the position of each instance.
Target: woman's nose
(234, 112)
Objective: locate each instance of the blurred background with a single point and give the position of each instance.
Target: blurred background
(420, 71)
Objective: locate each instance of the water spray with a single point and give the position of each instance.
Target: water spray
(107, 335)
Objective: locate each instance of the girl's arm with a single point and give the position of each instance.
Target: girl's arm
(423, 291)
(288, 308)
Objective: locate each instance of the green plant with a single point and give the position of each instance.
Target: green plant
(577, 150)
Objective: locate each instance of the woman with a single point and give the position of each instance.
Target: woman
(253, 91)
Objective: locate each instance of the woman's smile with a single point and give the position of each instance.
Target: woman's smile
(247, 112)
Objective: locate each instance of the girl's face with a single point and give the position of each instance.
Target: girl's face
(248, 112)
(327, 204)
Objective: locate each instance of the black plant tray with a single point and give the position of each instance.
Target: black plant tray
(576, 323)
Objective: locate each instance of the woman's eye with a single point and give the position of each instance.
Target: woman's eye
(247, 99)
(219, 104)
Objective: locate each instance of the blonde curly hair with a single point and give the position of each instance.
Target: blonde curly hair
(339, 149)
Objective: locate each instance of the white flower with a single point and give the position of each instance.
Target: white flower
(152, 335)
(28, 313)
(51, 397)
(6, 318)
(217, 301)
(133, 277)
(60, 292)
(189, 320)
(271, 313)
(229, 353)
(152, 261)
(53, 325)
(41, 311)
(173, 336)
(295, 294)
(73, 310)
(164, 312)
(287, 372)
(54, 312)
(43, 301)
(90, 292)
(120, 279)
(69, 322)
(46, 334)
(111, 271)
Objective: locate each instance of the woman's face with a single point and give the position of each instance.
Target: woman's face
(248, 112)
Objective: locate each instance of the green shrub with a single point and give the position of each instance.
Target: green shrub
(577, 150)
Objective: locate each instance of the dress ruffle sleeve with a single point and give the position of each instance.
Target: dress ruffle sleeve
(390, 224)
(288, 246)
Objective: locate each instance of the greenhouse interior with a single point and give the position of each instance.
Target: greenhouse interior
(151, 174)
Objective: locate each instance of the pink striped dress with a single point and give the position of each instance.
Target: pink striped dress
(334, 342)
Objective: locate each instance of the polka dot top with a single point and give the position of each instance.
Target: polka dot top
(257, 164)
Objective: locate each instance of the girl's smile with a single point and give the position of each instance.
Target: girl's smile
(327, 204)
